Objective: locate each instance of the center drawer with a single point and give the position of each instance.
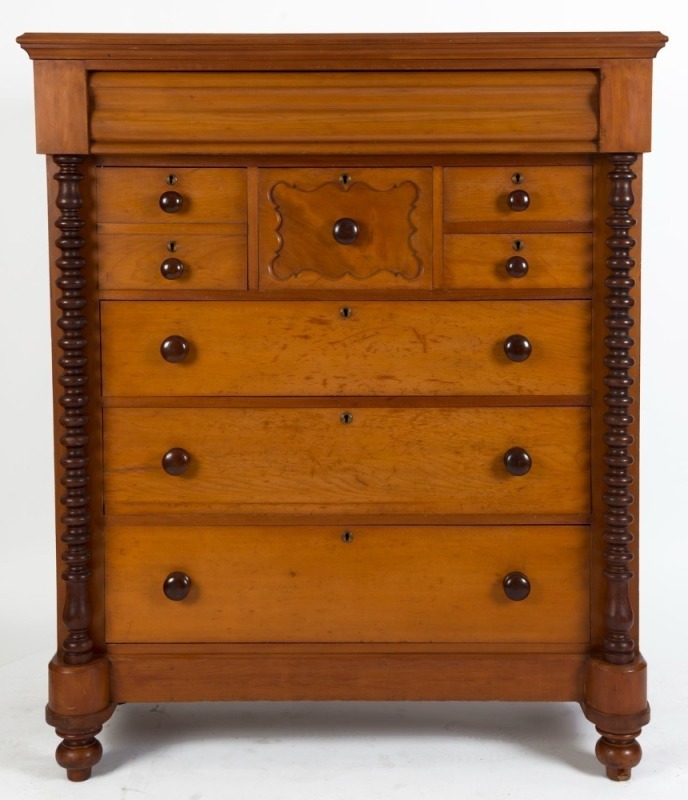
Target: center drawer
(347, 460)
(317, 584)
(323, 348)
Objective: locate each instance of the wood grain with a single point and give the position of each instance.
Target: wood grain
(477, 261)
(61, 103)
(626, 106)
(444, 460)
(253, 584)
(307, 348)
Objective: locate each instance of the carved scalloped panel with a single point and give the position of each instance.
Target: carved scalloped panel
(392, 209)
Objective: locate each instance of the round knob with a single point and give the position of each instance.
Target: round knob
(516, 586)
(518, 200)
(345, 230)
(171, 202)
(176, 586)
(172, 268)
(517, 267)
(174, 349)
(517, 347)
(517, 461)
(176, 461)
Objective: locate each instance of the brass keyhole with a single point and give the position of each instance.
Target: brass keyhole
(519, 245)
(172, 247)
(346, 418)
(171, 180)
(347, 536)
(517, 177)
(346, 312)
(345, 179)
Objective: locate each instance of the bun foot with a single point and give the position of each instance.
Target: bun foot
(78, 753)
(619, 753)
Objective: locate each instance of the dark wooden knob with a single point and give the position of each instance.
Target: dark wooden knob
(517, 267)
(171, 202)
(176, 461)
(176, 586)
(345, 230)
(516, 586)
(172, 268)
(174, 349)
(517, 347)
(518, 200)
(517, 461)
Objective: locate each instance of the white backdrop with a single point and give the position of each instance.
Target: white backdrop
(26, 489)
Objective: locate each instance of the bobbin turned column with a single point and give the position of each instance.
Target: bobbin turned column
(616, 683)
(79, 701)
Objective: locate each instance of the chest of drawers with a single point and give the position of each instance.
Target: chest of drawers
(346, 357)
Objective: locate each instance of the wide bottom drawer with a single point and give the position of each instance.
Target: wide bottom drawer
(325, 584)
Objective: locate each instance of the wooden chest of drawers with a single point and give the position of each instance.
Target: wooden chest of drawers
(345, 368)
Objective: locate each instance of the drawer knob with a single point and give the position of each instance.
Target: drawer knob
(345, 230)
(171, 202)
(516, 586)
(517, 267)
(174, 349)
(176, 586)
(172, 268)
(518, 200)
(517, 461)
(517, 347)
(176, 461)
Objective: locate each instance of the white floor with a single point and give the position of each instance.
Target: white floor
(328, 751)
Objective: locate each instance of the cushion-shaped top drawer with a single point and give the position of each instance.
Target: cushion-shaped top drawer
(323, 348)
(515, 194)
(384, 584)
(171, 195)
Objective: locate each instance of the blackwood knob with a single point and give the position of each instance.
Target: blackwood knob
(172, 268)
(517, 267)
(176, 586)
(174, 349)
(518, 200)
(171, 202)
(516, 586)
(517, 347)
(345, 230)
(517, 461)
(176, 461)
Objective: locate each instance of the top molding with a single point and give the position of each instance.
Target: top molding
(267, 52)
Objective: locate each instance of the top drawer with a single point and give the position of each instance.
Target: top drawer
(158, 195)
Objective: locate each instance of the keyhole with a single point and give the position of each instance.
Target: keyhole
(172, 247)
(171, 180)
(346, 418)
(517, 177)
(347, 536)
(519, 245)
(346, 312)
(345, 179)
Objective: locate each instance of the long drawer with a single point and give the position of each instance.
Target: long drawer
(318, 584)
(339, 460)
(324, 348)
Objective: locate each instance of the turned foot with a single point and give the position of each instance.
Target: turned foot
(78, 753)
(619, 753)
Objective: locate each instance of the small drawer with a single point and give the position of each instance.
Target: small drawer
(341, 459)
(526, 194)
(354, 347)
(171, 195)
(172, 259)
(517, 261)
(365, 584)
(345, 228)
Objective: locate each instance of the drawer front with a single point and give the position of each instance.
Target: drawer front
(323, 348)
(138, 194)
(172, 260)
(306, 584)
(353, 228)
(518, 261)
(519, 194)
(375, 460)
